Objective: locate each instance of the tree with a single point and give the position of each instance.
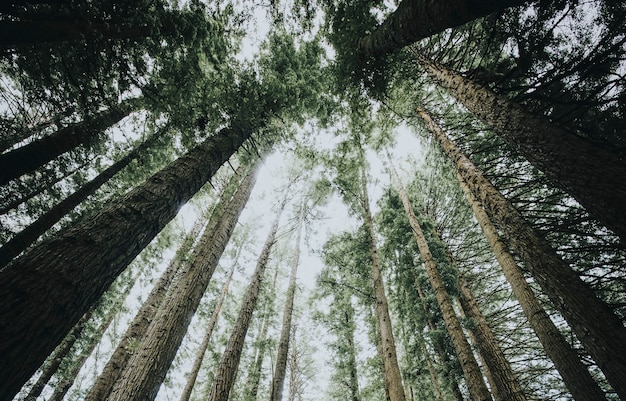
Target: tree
(595, 325)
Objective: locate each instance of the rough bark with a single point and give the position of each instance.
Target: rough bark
(391, 371)
(147, 367)
(27, 158)
(574, 373)
(471, 371)
(49, 288)
(225, 373)
(594, 323)
(25, 238)
(414, 20)
(283, 343)
(592, 175)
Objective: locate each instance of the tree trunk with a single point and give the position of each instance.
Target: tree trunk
(414, 20)
(597, 328)
(471, 371)
(293, 368)
(28, 158)
(22, 240)
(283, 343)
(254, 377)
(506, 385)
(49, 288)
(147, 367)
(592, 175)
(391, 371)
(195, 369)
(574, 373)
(225, 373)
(353, 382)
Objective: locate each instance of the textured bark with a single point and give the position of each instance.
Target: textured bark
(225, 373)
(137, 329)
(391, 371)
(594, 176)
(49, 288)
(574, 373)
(147, 367)
(471, 371)
(596, 327)
(25, 238)
(414, 20)
(29, 157)
(283, 343)
(197, 363)
(505, 382)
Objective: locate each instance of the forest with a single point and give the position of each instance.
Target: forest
(343, 200)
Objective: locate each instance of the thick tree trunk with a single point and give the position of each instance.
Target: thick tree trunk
(22, 240)
(596, 327)
(594, 176)
(103, 385)
(283, 343)
(414, 20)
(29, 157)
(195, 369)
(391, 371)
(471, 371)
(574, 373)
(48, 289)
(225, 373)
(147, 367)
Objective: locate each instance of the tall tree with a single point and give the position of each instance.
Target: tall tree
(593, 175)
(148, 365)
(229, 363)
(593, 322)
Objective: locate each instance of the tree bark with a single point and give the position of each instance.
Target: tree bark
(414, 20)
(574, 373)
(225, 373)
(147, 367)
(391, 371)
(25, 238)
(283, 343)
(29, 157)
(254, 377)
(49, 288)
(592, 175)
(471, 371)
(594, 323)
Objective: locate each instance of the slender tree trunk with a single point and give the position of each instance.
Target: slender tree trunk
(103, 385)
(414, 20)
(471, 371)
(195, 369)
(574, 373)
(391, 370)
(594, 176)
(147, 367)
(30, 234)
(49, 288)
(353, 382)
(283, 344)
(293, 367)
(27, 158)
(254, 377)
(225, 373)
(596, 327)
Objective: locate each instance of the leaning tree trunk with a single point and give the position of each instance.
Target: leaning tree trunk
(414, 20)
(283, 343)
(573, 372)
(28, 158)
(391, 370)
(592, 175)
(30, 234)
(596, 326)
(227, 369)
(147, 367)
(49, 288)
(137, 329)
(471, 371)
